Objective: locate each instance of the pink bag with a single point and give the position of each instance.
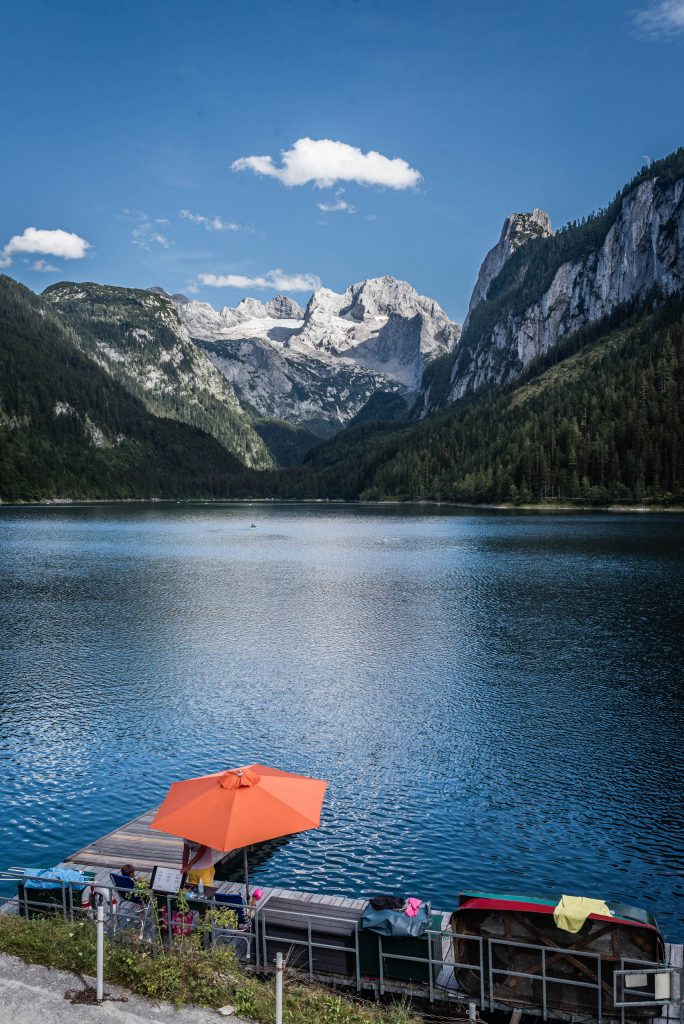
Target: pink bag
(413, 905)
(181, 922)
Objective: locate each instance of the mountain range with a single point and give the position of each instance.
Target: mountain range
(318, 367)
(374, 389)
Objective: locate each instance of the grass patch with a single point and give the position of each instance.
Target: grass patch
(209, 978)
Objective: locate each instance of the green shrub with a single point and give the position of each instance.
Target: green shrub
(184, 974)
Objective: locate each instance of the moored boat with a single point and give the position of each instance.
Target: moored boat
(501, 936)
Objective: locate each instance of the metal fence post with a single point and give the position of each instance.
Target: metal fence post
(491, 975)
(544, 1001)
(279, 989)
(310, 949)
(100, 950)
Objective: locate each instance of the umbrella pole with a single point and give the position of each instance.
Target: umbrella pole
(244, 853)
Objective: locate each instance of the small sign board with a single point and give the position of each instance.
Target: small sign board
(166, 880)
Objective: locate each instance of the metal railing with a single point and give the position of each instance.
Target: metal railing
(128, 913)
(158, 920)
(261, 919)
(637, 996)
(543, 976)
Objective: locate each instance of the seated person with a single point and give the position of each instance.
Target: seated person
(128, 871)
(198, 862)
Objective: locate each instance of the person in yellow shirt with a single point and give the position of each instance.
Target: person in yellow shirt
(198, 862)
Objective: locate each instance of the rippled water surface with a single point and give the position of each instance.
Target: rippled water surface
(496, 699)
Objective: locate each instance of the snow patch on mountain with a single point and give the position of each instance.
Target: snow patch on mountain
(381, 325)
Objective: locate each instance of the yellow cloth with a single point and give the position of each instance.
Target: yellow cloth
(203, 875)
(572, 911)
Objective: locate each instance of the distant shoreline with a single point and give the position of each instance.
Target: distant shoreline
(424, 503)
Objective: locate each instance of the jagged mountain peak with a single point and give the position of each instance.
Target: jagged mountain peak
(382, 296)
(518, 228)
(323, 363)
(280, 307)
(204, 321)
(382, 323)
(374, 297)
(277, 308)
(625, 256)
(248, 309)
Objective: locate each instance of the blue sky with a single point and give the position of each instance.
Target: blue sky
(118, 116)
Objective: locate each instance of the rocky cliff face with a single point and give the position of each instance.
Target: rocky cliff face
(318, 367)
(518, 228)
(549, 286)
(273, 381)
(381, 323)
(139, 339)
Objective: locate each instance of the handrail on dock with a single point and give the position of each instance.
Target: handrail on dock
(255, 943)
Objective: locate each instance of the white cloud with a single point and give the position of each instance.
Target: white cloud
(325, 162)
(276, 279)
(50, 242)
(145, 235)
(45, 268)
(661, 19)
(338, 205)
(211, 223)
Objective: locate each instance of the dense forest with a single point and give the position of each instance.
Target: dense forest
(528, 273)
(598, 420)
(68, 429)
(135, 333)
(605, 425)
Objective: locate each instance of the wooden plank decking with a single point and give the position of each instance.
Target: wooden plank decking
(133, 843)
(136, 843)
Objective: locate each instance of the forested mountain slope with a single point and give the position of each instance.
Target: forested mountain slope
(553, 285)
(68, 429)
(598, 420)
(138, 338)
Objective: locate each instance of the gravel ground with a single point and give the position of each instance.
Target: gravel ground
(35, 995)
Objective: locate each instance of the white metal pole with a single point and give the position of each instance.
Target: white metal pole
(279, 989)
(100, 950)
(472, 1011)
(245, 857)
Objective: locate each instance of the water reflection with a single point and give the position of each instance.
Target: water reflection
(495, 698)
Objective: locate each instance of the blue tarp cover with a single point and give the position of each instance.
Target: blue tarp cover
(50, 878)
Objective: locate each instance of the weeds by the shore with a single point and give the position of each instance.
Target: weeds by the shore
(209, 978)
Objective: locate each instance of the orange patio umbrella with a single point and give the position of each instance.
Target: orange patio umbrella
(236, 808)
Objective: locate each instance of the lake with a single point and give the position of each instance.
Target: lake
(496, 698)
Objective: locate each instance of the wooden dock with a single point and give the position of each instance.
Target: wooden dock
(133, 843)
